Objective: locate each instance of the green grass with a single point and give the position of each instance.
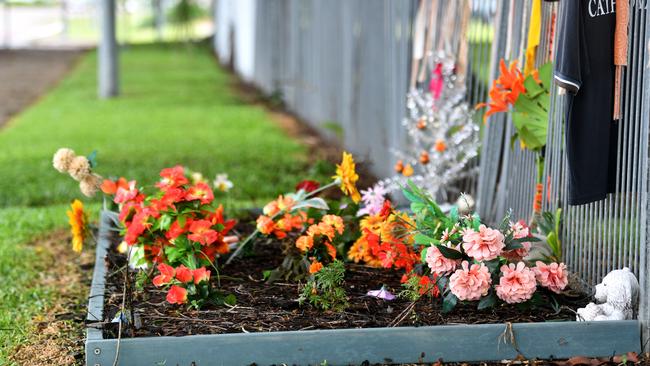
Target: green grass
(176, 107)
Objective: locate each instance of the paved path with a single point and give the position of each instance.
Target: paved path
(26, 74)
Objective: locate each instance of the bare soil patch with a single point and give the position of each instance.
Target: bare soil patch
(27, 74)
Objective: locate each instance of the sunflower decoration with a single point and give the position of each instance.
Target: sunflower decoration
(78, 220)
(347, 176)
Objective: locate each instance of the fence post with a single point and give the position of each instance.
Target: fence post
(108, 53)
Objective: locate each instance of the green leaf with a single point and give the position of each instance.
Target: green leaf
(442, 283)
(411, 196)
(492, 265)
(487, 301)
(449, 303)
(316, 202)
(423, 239)
(453, 214)
(92, 159)
(418, 207)
(513, 245)
(230, 299)
(449, 253)
(164, 222)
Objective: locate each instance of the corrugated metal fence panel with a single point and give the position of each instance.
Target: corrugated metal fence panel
(339, 62)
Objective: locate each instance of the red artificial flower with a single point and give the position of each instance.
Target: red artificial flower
(216, 218)
(169, 198)
(200, 191)
(166, 275)
(386, 210)
(177, 295)
(201, 232)
(175, 230)
(201, 274)
(308, 185)
(183, 274)
(128, 210)
(172, 177)
(330, 250)
(437, 82)
(138, 226)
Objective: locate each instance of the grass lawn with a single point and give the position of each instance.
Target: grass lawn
(176, 107)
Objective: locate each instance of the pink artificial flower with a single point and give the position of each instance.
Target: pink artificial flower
(373, 200)
(553, 276)
(123, 194)
(382, 293)
(470, 283)
(517, 283)
(484, 245)
(439, 263)
(519, 229)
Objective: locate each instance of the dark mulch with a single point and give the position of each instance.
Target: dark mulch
(262, 307)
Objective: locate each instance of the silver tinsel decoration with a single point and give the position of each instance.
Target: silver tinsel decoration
(443, 138)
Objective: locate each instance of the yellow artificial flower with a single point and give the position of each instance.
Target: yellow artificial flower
(346, 174)
(78, 222)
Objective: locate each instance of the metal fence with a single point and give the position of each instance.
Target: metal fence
(347, 62)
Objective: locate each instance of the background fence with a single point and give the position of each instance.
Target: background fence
(348, 63)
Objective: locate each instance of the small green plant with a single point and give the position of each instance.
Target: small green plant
(324, 290)
(550, 225)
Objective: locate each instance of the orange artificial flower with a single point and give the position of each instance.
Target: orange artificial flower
(177, 295)
(537, 203)
(265, 225)
(78, 220)
(110, 187)
(315, 266)
(304, 243)
(511, 79)
(348, 177)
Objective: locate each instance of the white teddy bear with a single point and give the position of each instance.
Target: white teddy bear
(617, 294)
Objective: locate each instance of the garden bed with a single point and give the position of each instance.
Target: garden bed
(267, 326)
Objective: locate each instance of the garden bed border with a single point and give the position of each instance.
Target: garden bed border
(452, 343)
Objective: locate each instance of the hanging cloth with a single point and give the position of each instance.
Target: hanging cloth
(534, 32)
(620, 51)
(418, 42)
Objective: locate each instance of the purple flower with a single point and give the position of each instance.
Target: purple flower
(382, 293)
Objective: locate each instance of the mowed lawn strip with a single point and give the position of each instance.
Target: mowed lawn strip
(176, 107)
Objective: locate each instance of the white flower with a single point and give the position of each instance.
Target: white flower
(197, 177)
(222, 183)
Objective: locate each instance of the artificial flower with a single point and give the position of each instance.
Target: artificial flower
(517, 284)
(62, 159)
(382, 293)
(553, 276)
(265, 225)
(89, 185)
(166, 275)
(438, 263)
(280, 204)
(110, 187)
(125, 193)
(79, 168)
(373, 200)
(177, 295)
(437, 82)
(201, 192)
(305, 243)
(348, 177)
(201, 232)
(315, 266)
(184, 274)
(172, 177)
(221, 183)
(307, 186)
(78, 220)
(470, 283)
(484, 245)
(200, 275)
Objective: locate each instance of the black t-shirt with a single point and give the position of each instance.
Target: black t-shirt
(584, 66)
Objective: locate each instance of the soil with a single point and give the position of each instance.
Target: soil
(27, 74)
(263, 307)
